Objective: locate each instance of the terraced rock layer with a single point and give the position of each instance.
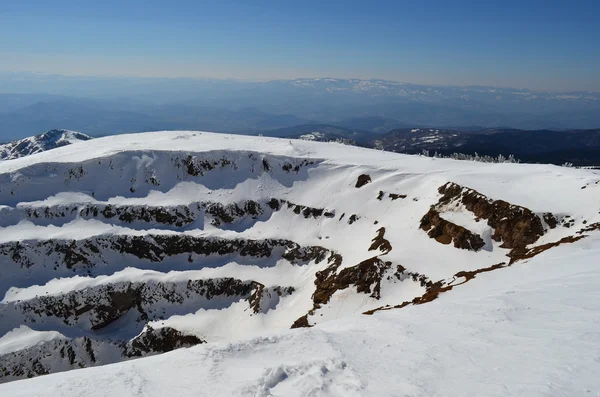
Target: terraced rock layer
(89, 253)
(178, 216)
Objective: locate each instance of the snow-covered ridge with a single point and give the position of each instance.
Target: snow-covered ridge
(40, 143)
(109, 245)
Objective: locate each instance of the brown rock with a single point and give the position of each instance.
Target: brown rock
(380, 243)
(446, 232)
(363, 180)
(514, 225)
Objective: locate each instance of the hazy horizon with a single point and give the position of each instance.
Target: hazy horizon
(537, 45)
(248, 67)
(12, 74)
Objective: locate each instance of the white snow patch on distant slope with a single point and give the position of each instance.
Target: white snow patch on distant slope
(24, 337)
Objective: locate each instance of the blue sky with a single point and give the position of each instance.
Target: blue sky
(548, 45)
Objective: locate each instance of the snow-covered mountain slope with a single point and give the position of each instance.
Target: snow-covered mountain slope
(531, 330)
(405, 269)
(40, 143)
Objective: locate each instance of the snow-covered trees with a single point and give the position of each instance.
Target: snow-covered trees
(474, 157)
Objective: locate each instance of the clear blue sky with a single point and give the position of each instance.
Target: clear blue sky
(549, 45)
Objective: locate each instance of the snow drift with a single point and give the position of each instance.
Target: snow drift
(133, 245)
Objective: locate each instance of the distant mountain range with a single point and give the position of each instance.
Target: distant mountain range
(534, 126)
(579, 147)
(102, 106)
(323, 133)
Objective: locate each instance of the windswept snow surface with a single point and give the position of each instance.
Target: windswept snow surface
(233, 239)
(529, 330)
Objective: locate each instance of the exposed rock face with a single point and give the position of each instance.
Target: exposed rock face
(550, 220)
(514, 225)
(65, 354)
(363, 180)
(175, 216)
(100, 323)
(198, 166)
(366, 277)
(264, 299)
(114, 320)
(392, 196)
(380, 243)
(395, 196)
(518, 254)
(96, 307)
(302, 322)
(90, 310)
(592, 227)
(97, 177)
(447, 232)
(434, 289)
(353, 218)
(306, 211)
(55, 356)
(160, 340)
(88, 253)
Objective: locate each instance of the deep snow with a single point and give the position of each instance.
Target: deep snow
(530, 329)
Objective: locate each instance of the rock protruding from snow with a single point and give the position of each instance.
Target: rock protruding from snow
(515, 226)
(446, 232)
(127, 246)
(40, 143)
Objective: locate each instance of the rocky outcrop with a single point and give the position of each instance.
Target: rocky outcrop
(178, 216)
(57, 355)
(395, 196)
(379, 242)
(590, 228)
(162, 340)
(353, 218)
(434, 289)
(87, 253)
(113, 176)
(514, 225)
(366, 277)
(64, 354)
(264, 299)
(447, 232)
(306, 211)
(550, 220)
(392, 196)
(362, 180)
(89, 311)
(94, 308)
(518, 254)
(198, 166)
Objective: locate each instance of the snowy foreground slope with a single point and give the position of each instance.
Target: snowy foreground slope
(400, 275)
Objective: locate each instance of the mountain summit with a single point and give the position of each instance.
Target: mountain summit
(40, 143)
